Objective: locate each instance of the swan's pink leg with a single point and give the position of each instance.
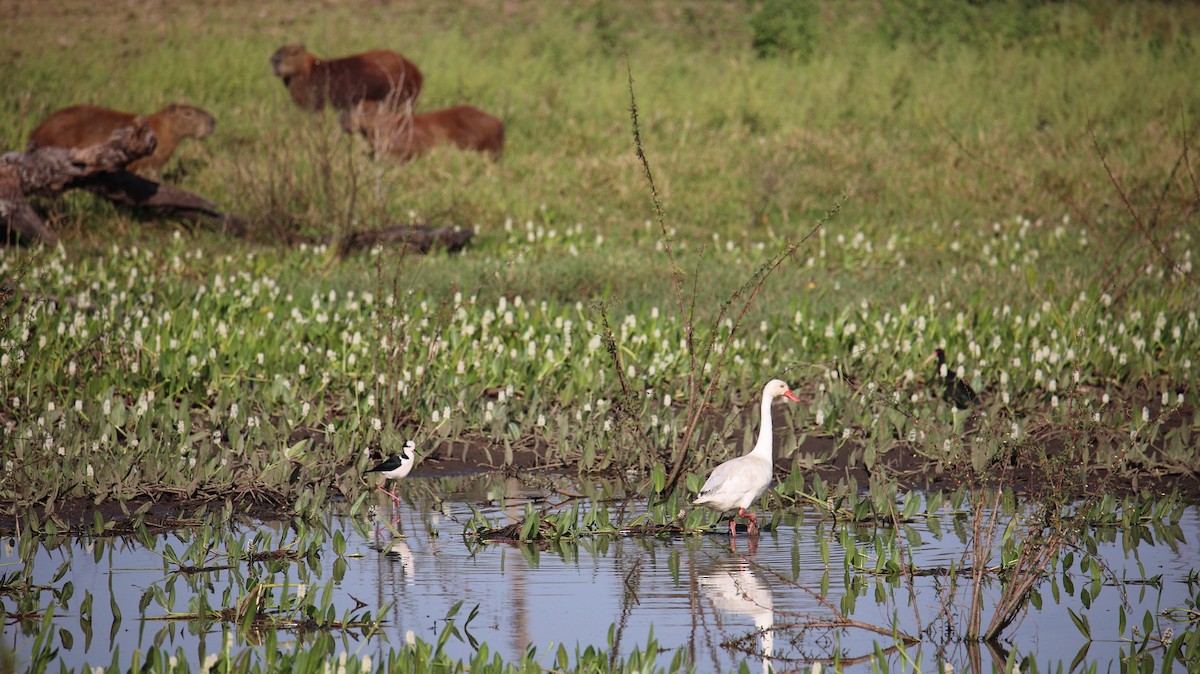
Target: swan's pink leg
(752, 528)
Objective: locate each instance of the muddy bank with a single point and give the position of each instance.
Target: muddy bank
(833, 459)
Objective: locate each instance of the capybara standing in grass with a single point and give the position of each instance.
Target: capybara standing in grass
(82, 125)
(407, 136)
(379, 75)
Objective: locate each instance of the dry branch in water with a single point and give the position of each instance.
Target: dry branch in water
(50, 171)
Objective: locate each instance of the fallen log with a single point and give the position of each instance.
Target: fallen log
(50, 171)
(19, 217)
(129, 189)
(419, 238)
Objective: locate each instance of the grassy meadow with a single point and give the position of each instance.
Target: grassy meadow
(843, 187)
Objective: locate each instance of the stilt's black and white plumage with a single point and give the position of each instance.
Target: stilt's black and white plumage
(396, 467)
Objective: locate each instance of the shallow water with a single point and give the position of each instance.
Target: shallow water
(693, 592)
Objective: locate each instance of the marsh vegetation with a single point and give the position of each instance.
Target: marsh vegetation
(824, 196)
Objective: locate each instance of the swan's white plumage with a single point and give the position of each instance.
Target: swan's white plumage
(737, 483)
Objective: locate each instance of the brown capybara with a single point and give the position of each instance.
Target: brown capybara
(379, 75)
(408, 136)
(79, 126)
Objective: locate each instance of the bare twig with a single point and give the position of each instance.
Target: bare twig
(983, 530)
(1133, 213)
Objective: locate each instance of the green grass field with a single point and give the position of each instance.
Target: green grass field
(1014, 183)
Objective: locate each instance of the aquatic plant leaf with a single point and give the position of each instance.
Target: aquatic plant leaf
(818, 488)
(116, 623)
(170, 556)
(1081, 623)
(933, 502)
(913, 536)
(249, 613)
(296, 450)
(911, 502)
(562, 658)
(532, 523)
(1079, 657)
(66, 638)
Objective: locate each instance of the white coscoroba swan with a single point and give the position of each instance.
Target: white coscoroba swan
(737, 483)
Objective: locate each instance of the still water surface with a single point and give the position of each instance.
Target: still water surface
(721, 606)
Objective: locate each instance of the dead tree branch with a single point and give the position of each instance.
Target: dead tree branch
(100, 169)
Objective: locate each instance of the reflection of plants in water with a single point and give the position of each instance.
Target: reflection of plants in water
(321, 652)
(261, 606)
(1015, 546)
(873, 553)
(271, 581)
(740, 585)
(1029, 547)
(1021, 556)
(1189, 613)
(254, 600)
(1057, 515)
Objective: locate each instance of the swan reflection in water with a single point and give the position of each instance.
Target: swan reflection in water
(735, 588)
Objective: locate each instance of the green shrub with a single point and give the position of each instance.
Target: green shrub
(784, 28)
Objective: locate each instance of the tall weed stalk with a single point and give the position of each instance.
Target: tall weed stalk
(706, 360)
(306, 185)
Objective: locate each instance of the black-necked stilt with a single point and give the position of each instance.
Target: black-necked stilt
(737, 483)
(396, 467)
(954, 390)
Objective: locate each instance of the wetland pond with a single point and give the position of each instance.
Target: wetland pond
(392, 573)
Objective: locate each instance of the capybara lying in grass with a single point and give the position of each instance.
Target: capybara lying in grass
(408, 136)
(83, 125)
(380, 75)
